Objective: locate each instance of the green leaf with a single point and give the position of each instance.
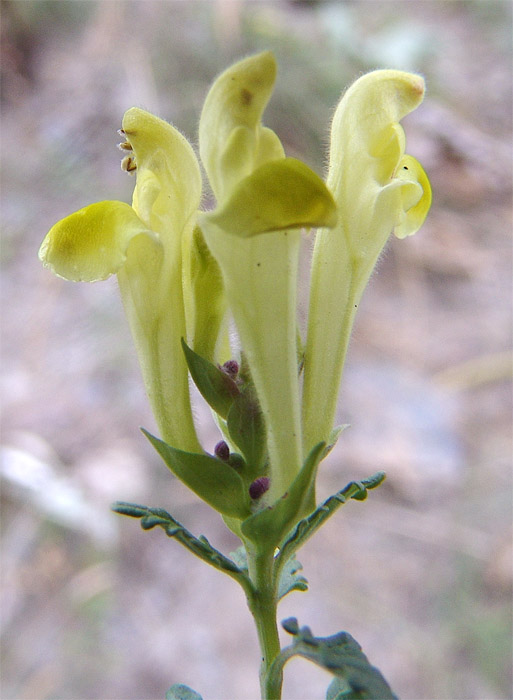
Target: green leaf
(182, 692)
(272, 523)
(247, 429)
(342, 656)
(291, 579)
(305, 528)
(200, 546)
(132, 510)
(213, 480)
(217, 388)
(279, 195)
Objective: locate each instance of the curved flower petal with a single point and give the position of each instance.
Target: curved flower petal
(232, 140)
(413, 216)
(375, 196)
(366, 138)
(279, 195)
(92, 243)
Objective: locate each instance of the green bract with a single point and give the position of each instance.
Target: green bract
(184, 274)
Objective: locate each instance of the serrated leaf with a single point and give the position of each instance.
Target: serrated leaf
(182, 692)
(216, 482)
(306, 527)
(247, 429)
(200, 546)
(291, 579)
(217, 388)
(271, 524)
(342, 656)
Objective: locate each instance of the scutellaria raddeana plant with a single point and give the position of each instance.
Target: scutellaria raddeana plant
(185, 274)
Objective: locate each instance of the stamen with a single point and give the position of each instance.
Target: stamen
(128, 164)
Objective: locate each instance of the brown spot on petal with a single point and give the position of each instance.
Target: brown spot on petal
(246, 97)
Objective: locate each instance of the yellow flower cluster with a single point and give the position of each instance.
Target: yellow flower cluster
(182, 272)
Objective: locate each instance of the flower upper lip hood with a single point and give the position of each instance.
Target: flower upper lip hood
(233, 142)
(93, 243)
(168, 186)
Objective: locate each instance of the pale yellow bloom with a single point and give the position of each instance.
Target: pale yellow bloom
(378, 190)
(254, 234)
(143, 245)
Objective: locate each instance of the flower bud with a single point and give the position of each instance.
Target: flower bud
(259, 487)
(231, 367)
(222, 451)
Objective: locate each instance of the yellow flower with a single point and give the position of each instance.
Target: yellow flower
(378, 190)
(264, 199)
(142, 244)
(181, 273)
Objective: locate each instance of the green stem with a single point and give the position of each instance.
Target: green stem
(263, 605)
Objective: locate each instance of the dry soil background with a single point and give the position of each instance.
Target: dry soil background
(420, 574)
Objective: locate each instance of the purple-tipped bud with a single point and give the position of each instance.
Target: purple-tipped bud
(231, 368)
(259, 487)
(222, 451)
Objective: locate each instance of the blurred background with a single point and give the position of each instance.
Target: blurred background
(420, 574)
